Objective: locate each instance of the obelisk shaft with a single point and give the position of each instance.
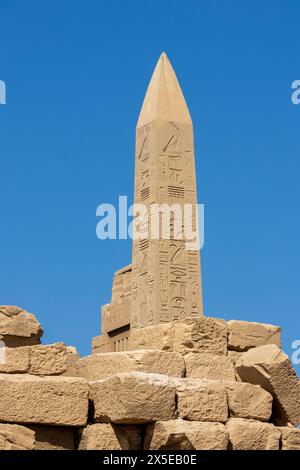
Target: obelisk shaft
(166, 276)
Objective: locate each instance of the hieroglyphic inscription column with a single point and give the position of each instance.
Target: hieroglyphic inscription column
(166, 276)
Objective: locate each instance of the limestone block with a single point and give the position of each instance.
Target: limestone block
(248, 401)
(246, 434)
(202, 335)
(244, 335)
(18, 327)
(209, 366)
(185, 435)
(53, 359)
(101, 344)
(53, 437)
(15, 437)
(201, 400)
(100, 366)
(133, 398)
(290, 438)
(17, 360)
(102, 436)
(270, 368)
(61, 401)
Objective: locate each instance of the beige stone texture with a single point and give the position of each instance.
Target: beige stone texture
(61, 401)
(18, 327)
(17, 360)
(271, 368)
(244, 335)
(53, 437)
(16, 437)
(133, 398)
(102, 436)
(290, 438)
(204, 335)
(209, 366)
(248, 401)
(53, 359)
(246, 434)
(100, 366)
(101, 344)
(199, 400)
(185, 435)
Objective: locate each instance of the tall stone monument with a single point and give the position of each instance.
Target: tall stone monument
(163, 283)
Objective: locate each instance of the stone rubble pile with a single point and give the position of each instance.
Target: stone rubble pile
(193, 385)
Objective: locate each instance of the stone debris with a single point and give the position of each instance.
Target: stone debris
(244, 335)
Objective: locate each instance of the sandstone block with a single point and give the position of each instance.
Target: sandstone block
(246, 434)
(201, 400)
(18, 327)
(248, 401)
(133, 398)
(17, 360)
(270, 368)
(209, 366)
(100, 366)
(234, 356)
(244, 335)
(61, 401)
(290, 438)
(202, 335)
(53, 437)
(15, 437)
(101, 344)
(185, 435)
(102, 436)
(53, 359)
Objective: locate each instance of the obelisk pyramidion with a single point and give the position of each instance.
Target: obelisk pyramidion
(166, 276)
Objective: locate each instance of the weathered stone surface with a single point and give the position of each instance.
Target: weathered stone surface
(290, 438)
(244, 335)
(15, 437)
(202, 335)
(61, 401)
(270, 368)
(17, 360)
(209, 366)
(234, 356)
(53, 437)
(133, 398)
(185, 435)
(18, 327)
(246, 434)
(53, 359)
(201, 400)
(101, 344)
(111, 437)
(248, 401)
(100, 366)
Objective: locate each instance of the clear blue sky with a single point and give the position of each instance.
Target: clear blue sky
(76, 74)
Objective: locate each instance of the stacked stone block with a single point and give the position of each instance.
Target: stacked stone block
(193, 385)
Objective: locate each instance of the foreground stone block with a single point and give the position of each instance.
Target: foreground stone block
(201, 401)
(53, 437)
(17, 360)
(244, 335)
(270, 368)
(248, 401)
(61, 401)
(15, 437)
(185, 435)
(111, 437)
(290, 438)
(246, 434)
(18, 327)
(203, 335)
(100, 366)
(53, 359)
(209, 367)
(133, 398)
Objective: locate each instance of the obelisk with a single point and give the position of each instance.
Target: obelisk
(166, 276)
